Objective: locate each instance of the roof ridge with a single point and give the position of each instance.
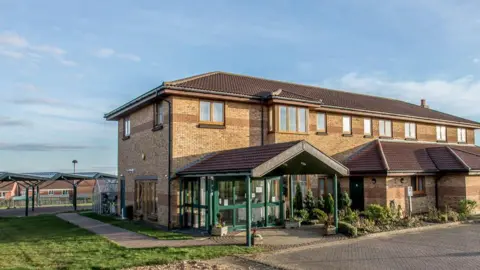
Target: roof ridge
(190, 78)
(382, 154)
(459, 159)
(358, 152)
(468, 152)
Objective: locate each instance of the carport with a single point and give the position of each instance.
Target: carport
(258, 166)
(34, 180)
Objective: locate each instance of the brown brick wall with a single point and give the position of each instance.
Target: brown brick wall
(451, 190)
(473, 189)
(397, 192)
(375, 193)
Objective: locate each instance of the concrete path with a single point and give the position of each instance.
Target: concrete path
(127, 238)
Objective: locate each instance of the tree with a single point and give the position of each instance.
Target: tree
(345, 201)
(329, 204)
(309, 202)
(321, 203)
(298, 202)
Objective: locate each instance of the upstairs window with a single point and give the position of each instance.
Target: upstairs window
(347, 125)
(418, 185)
(65, 192)
(462, 135)
(321, 122)
(385, 128)
(212, 112)
(126, 126)
(441, 133)
(410, 131)
(270, 119)
(292, 119)
(367, 127)
(3, 194)
(159, 114)
(51, 192)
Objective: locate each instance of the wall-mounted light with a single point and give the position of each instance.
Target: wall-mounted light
(402, 180)
(303, 163)
(374, 181)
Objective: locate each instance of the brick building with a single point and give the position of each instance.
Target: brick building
(176, 147)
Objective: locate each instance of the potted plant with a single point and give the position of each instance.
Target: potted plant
(295, 223)
(329, 228)
(220, 229)
(257, 239)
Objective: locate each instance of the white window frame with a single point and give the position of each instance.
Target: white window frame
(3, 194)
(300, 128)
(321, 117)
(385, 128)
(441, 133)
(283, 116)
(270, 119)
(367, 128)
(65, 192)
(288, 117)
(462, 135)
(410, 130)
(51, 192)
(126, 126)
(211, 115)
(159, 114)
(347, 125)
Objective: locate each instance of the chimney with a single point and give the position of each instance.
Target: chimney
(423, 104)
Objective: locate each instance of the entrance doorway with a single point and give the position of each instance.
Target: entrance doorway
(357, 193)
(194, 211)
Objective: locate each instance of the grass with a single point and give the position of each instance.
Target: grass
(47, 242)
(138, 227)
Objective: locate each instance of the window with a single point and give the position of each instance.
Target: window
(325, 186)
(385, 128)
(462, 135)
(293, 119)
(211, 112)
(347, 125)
(3, 194)
(51, 192)
(410, 131)
(321, 122)
(65, 192)
(418, 185)
(158, 114)
(367, 126)
(126, 126)
(441, 133)
(270, 119)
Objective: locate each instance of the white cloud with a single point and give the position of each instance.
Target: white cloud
(48, 50)
(12, 54)
(459, 97)
(107, 53)
(12, 39)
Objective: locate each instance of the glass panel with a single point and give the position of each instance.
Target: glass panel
(283, 118)
(274, 214)
(421, 183)
(321, 187)
(302, 121)
(187, 216)
(388, 128)
(241, 216)
(159, 113)
(227, 217)
(414, 183)
(240, 192)
(258, 217)
(367, 126)
(218, 112)
(270, 118)
(330, 186)
(203, 188)
(195, 217)
(258, 192)
(292, 119)
(188, 192)
(203, 217)
(273, 191)
(204, 111)
(195, 195)
(382, 128)
(225, 193)
(346, 125)
(321, 121)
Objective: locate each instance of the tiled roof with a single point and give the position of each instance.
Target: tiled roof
(227, 83)
(418, 157)
(238, 160)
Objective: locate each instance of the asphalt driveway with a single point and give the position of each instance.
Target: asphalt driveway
(449, 248)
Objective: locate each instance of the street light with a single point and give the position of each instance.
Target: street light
(74, 163)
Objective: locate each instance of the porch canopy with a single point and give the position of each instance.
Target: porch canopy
(290, 158)
(35, 180)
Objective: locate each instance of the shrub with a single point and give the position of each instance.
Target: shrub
(329, 204)
(319, 215)
(376, 213)
(347, 229)
(367, 225)
(302, 215)
(350, 216)
(298, 202)
(443, 218)
(345, 201)
(467, 207)
(409, 222)
(321, 203)
(309, 202)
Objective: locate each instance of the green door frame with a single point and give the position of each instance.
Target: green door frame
(185, 185)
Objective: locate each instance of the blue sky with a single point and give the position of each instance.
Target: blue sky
(65, 63)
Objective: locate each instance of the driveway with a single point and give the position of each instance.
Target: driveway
(449, 248)
(20, 212)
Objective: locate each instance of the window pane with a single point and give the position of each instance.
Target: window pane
(240, 192)
(382, 128)
(283, 118)
(388, 128)
(414, 182)
(218, 112)
(413, 130)
(330, 186)
(258, 195)
(346, 125)
(321, 187)
(292, 119)
(204, 111)
(367, 126)
(159, 113)
(421, 180)
(321, 121)
(302, 121)
(127, 127)
(270, 118)
(225, 193)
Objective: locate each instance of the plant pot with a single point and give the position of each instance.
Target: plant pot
(330, 230)
(216, 231)
(292, 224)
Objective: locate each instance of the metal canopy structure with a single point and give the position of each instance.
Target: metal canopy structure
(34, 180)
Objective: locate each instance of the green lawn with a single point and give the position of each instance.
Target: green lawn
(138, 227)
(47, 242)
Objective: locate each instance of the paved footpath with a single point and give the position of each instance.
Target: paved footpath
(127, 238)
(455, 247)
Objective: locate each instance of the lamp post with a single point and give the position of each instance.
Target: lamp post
(74, 164)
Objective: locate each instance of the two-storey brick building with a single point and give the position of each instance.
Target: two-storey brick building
(186, 146)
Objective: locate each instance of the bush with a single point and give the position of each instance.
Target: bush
(376, 213)
(347, 229)
(467, 207)
(345, 201)
(329, 204)
(309, 202)
(298, 202)
(367, 225)
(319, 215)
(302, 215)
(443, 218)
(350, 216)
(321, 203)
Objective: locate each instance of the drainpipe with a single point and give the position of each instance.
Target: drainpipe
(261, 121)
(169, 156)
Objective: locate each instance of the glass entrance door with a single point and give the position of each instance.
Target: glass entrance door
(194, 209)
